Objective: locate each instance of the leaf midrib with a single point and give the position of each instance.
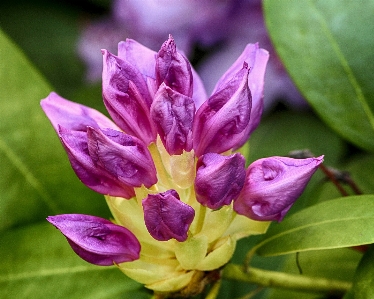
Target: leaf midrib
(300, 228)
(29, 176)
(51, 272)
(347, 69)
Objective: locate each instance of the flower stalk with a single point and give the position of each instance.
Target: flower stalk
(266, 278)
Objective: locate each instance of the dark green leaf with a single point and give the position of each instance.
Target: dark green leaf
(335, 223)
(37, 262)
(363, 282)
(326, 46)
(51, 41)
(35, 179)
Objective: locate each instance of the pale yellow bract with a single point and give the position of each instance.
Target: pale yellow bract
(169, 266)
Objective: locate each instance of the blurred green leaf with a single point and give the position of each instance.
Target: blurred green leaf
(35, 179)
(361, 169)
(285, 131)
(47, 31)
(335, 223)
(37, 262)
(363, 282)
(326, 47)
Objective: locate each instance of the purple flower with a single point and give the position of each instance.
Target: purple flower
(272, 186)
(166, 165)
(219, 179)
(173, 69)
(232, 23)
(223, 121)
(104, 158)
(96, 240)
(173, 114)
(167, 217)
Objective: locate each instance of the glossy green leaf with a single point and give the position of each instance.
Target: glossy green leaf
(363, 281)
(37, 262)
(36, 179)
(326, 46)
(335, 223)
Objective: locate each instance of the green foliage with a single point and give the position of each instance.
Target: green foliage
(300, 131)
(336, 223)
(47, 32)
(326, 47)
(363, 282)
(36, 179)
(333, 264)
(37, 262)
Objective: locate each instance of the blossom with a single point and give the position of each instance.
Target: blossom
(221, 28)
(97, 240)
(270, 189)
(167, 165)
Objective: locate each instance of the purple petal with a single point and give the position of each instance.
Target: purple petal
(139, 56)
(167, 217)
(123, 156)
(257, 59)
(73, 116)
(174, 69)
(173, 114)
(127, 98)
(223, 120)
(273, 185)
(219, 179)
(199, 93)
(97, 240)
(94, 177)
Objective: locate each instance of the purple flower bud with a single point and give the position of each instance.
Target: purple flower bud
(97, 240)
(222, 122)
(94, 177)
(127, 98)
(123, 156)
(219, 179)
(272, 186)
(167, 217)
(256, 59)
(73, 116)
(174, 69)
(139, 56)
(173, 114)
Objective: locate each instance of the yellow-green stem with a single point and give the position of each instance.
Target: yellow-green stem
(274, 279)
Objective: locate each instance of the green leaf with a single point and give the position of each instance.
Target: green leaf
(286, 131)
(335, 223)
(37, 262)
(363, 281)
(326, 47)
(51, 42)
(337, 264)
(35, 179)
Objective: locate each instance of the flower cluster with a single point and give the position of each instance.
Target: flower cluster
(179, 193)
